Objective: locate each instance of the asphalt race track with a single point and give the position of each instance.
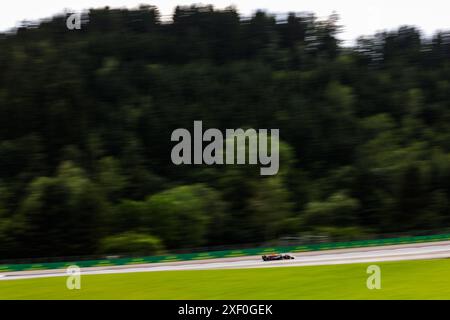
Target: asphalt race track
(417, 251)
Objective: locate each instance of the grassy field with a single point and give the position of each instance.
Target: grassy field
(428, 279)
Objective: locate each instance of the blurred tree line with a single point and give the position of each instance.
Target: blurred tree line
(86, 117)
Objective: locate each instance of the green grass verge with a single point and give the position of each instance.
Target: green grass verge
(427, 279)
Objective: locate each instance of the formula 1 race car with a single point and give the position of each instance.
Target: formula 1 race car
(272, 257)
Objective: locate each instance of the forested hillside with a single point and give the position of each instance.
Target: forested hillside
(86, 118)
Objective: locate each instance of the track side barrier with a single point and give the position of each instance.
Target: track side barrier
(224, 253)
